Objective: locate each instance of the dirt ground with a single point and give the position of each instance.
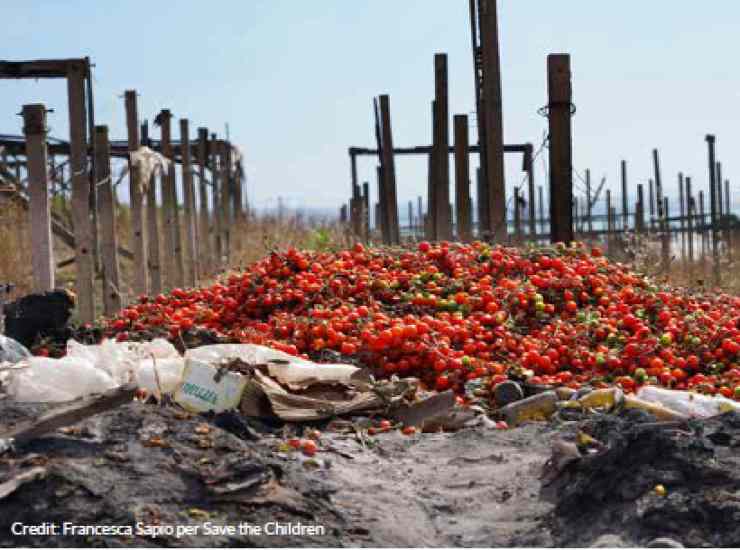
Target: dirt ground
(474, 487)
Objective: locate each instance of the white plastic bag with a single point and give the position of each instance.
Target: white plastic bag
(170, 373)
(694, 405)
(286, 368)
(53, 380)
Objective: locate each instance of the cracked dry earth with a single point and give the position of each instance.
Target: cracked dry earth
(475, 487)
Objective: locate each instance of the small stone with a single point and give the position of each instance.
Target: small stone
(664, 542)
(610, 541)
(507, 392)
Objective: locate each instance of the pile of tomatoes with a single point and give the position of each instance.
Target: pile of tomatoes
(450, 313)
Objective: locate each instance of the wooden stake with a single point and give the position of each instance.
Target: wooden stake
(589, 204)
(662, 224)
(136, 193)
(419, 216)
(493, 121)
(442, 141)
(431, 226)
(691, 212)
(713, 209)
(625, 198)
(651, 191)
(389, 171)
(83, 227)
(530, 195)
(168, 204)
(206, 243)
(179, 278)
(729, 220)
(225, 159)
(640, 210)
(702, 228)
(718, 179)
(608, 207)
(683, 213)
(152, 224)
(42, 246)
(462, 178)
(561, 157)
(218, 247)
(366, 211)
(112, 299)
(191, 255)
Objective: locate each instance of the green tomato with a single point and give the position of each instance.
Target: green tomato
(666, 339)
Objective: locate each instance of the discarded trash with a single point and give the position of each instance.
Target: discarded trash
(693, 405)
(606, 399)
(536, 407)
(288, 369)
(93, 369)
(659, 411)
(207, 388)
(507, 392)
(12, 351)
(38, 315)
(54, 380)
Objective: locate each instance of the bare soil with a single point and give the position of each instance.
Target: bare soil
(474, 487)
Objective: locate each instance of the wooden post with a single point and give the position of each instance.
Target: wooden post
(518, 216)
(206, 244)
(112, 299)
(237, 197)
(411, 217)
(442, 145)
(691, 212)
(353, 206)
(168, 203)
(651, 192)
(662, 224)
(625, 198)
(356, 205)
(713, 209)
(381, 221)
(225, 158)
(589, 205)
(682, 212)
(81, 219)
(718, 178)
(136, 193)
(640, 210)
(529, 156)
(152, 224)
(608, 220)
(191, 255)
(179, 278)
(378, 215)
(729, 220)
(493, 122)
(389, 171)
(366, 211)
(42, 246)
(462, 178)
(561, 157)
(702, 228)
(419, 217)
(216, 184)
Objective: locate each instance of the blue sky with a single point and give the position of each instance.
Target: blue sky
(295, 79)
